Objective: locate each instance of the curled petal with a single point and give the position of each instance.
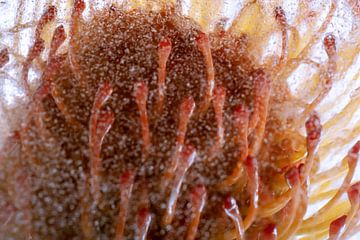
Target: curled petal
(290, 211)
(299, 216)
(100, 124)
(257, 122)
(293, 177)
(198, 199)
(141, 95)
(218, 103)
(102, 95)
(106, 120)
(251, 166)
(78, 8)
(353, 216)
(203, 44)
(186, 110)
(163, 53)
(280, 18)
(188, 156)
(352, 157)
(241, 122)
(232, 211)
(126, 186)
(313, 133)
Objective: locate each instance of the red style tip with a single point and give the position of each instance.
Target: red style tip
(353, 155)
(189, 155)
(106, 119)
(187, 106)
(49, 14)
(262, 83)
(143, 215)
(356, 148)
(4, 57)
(127, 177)
(270, 232)
(354, 193)
(202, 38)
(58, 39)
(280, 15)
(37, 49)
(59, 33)
(241, 111)
(79, 6)
(143, 223)
(165, 44)
(41, 92)
(230, 203)
(250, 163)
(293, 177)
(198, 192)
(141, 91)
(313, 127)
(219, 92)
(337, 225)
(302, 168)
(330, 44)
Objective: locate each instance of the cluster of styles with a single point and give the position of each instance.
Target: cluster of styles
(147, 128)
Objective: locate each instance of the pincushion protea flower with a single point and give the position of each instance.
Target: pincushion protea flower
(159, 120)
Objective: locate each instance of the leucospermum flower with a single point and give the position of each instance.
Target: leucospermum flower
(180, 119)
